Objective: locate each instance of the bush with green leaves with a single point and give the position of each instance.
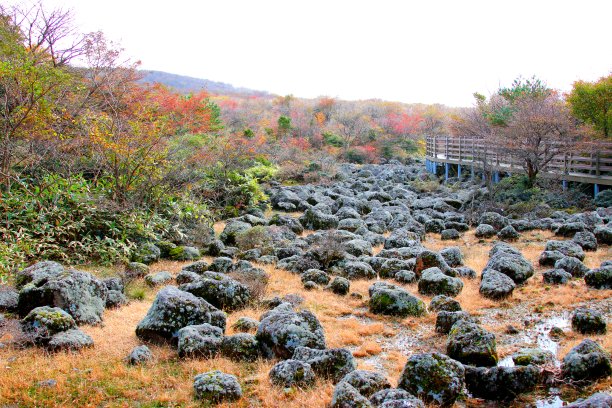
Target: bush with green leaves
(255, 238)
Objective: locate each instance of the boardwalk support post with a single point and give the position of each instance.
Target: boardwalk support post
(596, 188)
(564, 185)
(446, 166)
(496, 177)
(459, 171)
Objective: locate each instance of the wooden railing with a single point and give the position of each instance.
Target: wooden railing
(591, 164)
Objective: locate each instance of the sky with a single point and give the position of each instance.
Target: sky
(399, 50)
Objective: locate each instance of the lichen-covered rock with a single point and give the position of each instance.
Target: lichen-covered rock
(282, 330)
(465, 272)
(445, 320)
(449, 234)
(485, 231)
(603, 233)
(588, 321)
(568, 229)
(496, 285)
(184, 277)
(287, 221)
(597, 400)
(549, 258)
(240, 347)
(115, 299)
(198, 267)
(516, 267)
(317, 220)
(452, 256)
(315, 275)
(586, 239)
(567, 248)
(232, 230)
(8, 299)
(172, 310)
(434, 282)
(292, 373)
(405, 276)
(332, 364)
(340, 286)
(496, 220)
(43, 322)
(70, 340)
(433, 377)
(139, 355)
(501, 383)
(587, 362)
(135, 270)
(147, 254)
(158, 278)
(347, 396)
(202, 340)
(556, 276)
(395, 398)
(430, 259)
(245, 324)
(354, 270)
(220, 291)
(366, 382)
(535, 356)
(114, 283)
(572, 265)
(38, 272)
(508, 233)
(599, 278)
(216, 387)
(390, 267)
(78, 293)
(394, 301)
(184, 253)
(443, 303)
(469, 343)
(358, 247)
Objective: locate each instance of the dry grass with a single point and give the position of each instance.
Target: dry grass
(99, 377)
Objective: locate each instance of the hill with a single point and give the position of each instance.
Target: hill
(186, 84)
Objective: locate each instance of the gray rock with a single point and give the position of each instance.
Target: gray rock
(140, 355)
(159, 278)
(603, 235)
(290, 373)
(221, 264)
(245, 324)
(317, 220)
(485, 231)
(449, 234)
(394, 301)
(452, 256)
(446, 320)
(433, 377)
(114, 284)
(556, 276)
(232, 230)
(115, 299)
(568, 229)
(347, 396)
(172, 310)
(395, 398)
(198, 267)
(358, 247)
(43, 322)
(135, 270)
(332, 364)
(496, 220)
(536, 357)
(366, 382)
(501, 383)
(572, 265)
(216, 387)
(203, 340)
(516, 267)
(588, 321)
(184, 253)
(405, 276)
(496, 285)
(600, 278)
(471, 344)
(184, 277)
(586, 240)
(282, 330)
(444, 303)
(340, 286)
(147, 254)
(391, 266)
(597, 400)
(38, 272)
(465, 272)
(587, 362)
(549, 258)
(70, 340)
(220, 290)
(567, 248)
(78, 293)
(240, 347)
(429, 259)
(315, 275)
(354, 270)
(508, 233)
(8, 299)
(434, 282)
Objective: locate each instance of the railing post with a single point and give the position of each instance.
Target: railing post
(597, 172)
(446, 147)
(435, 153)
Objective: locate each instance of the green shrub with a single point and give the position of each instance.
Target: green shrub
(256, 237)
(332, 139)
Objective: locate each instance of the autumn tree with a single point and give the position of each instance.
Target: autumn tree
(591, 102)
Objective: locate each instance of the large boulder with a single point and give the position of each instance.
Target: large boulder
(443, 303)
(347, 396)
(433, 377)
(434, 282)
(572, 265)
(496, 285)
(333, 364)
(38, 272)
(158, 278)
(366, 382)
(282, 330)
(452, 256)
(317, 220)
(485, 231)
(446, 320)
(9, 299)
(556, 276)
(587, 362)
(599, 278)
(340, 286)
(471, 344)
(567, 248)
(597, 400)
(220, 291)
(232, 230)
(603, 234)
(508, 233)
(172, 310)
(430, 259)
(586, 240)
(354, 270)
(516, 267)
(501, 383)
(216, 387)
(588, 321)
(43, 322)
(290, 373)
(493, 219)
(78, 293)
(240, 347)
(70, 340)
(202, 340)
(394, 301)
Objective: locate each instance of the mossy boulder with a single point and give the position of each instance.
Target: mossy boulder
(184, 253)
(395, 301)
(434, 282)
(501, 383)
(485, 231)
(366, 382)
(429, 259)
(332, 364)
(444, 303)
(292, 373)
(533, 356)
(202, 340)
(315, 275)
(70, 340)
(158, 278)
(43, 322)
(496, 285)
(516, 267)
(567, 248)
(216, 387)
(146, 253)
(245, 324)
(340, 286)
(588, 321)
(433, 377)
(240, 347)
(599, 278)
(587, 362)
(220, 290)
(469, 343)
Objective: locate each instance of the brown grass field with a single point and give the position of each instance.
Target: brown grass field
(99, 377)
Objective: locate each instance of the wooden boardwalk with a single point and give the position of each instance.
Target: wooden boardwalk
(593, 164)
